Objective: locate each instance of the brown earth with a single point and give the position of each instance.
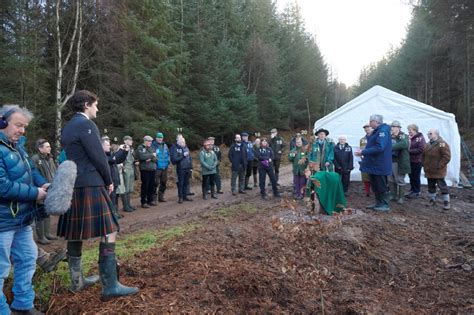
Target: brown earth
(413, 259)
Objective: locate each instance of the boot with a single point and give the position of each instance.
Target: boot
(48, 262)
(40, 233)
(393, 191)
(180, 200)
(126, 206)
(383, 206)
(78, 282)
(161, 197)
(111, 287)
(213, 193)
(47, 229)
(204, 194)
(247, 187)
(378, 201)
(400, 194)
(129, 202)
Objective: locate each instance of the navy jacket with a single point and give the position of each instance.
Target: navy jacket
(249, 146)
(264, 154)
(377, 155)
(81, 141)
(343, 159)
(179, 160)
(19, 180)
(238, 156)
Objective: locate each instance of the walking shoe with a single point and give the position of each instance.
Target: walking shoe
(191, 194)
(382, 208)
(264, 197)
(152, 204)
(431, 203)
(145, 206)
(412, 195)
(187, 199)
(242, 192)
(180, 200)
(220, 192)
(446, 205)
(234, 193)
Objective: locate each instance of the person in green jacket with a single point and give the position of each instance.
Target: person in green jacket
(400, 162)
(299, 160)
(208, 159)
(321, 157)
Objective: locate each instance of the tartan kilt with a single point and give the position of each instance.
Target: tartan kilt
(89, 216)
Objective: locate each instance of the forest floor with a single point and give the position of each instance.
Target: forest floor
(246, 255)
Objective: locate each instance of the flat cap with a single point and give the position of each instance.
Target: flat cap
(147, 138)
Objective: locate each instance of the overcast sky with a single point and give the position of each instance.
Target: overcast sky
(354, 33)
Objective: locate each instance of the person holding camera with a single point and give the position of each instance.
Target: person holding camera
(129, 174)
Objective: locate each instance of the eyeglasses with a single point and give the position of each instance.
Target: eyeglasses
(430, 133)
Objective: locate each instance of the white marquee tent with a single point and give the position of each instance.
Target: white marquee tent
(349, 119)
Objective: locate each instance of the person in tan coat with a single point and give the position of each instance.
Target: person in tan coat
(436, 157)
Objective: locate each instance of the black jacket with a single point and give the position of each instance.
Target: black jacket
(238, 156)
(115, 158)
(343, 159)
(81, 141)
(177, 157)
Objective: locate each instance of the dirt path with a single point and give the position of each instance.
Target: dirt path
(171, 212)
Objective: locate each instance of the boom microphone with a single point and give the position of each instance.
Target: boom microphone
(58, 199)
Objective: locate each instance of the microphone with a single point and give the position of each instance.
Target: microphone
(58, 199)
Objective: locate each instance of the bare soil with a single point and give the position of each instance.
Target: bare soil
(414, 259)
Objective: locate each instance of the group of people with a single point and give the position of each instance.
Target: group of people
(104, 174)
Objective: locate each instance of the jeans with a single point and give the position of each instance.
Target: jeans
(19, 246)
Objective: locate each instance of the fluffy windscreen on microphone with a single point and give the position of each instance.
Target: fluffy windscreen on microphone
(59, 196)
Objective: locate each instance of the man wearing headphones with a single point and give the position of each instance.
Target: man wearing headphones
(21, 187)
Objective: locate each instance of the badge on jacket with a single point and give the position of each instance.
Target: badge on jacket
(381, 134)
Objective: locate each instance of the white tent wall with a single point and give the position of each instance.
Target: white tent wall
(349, 119)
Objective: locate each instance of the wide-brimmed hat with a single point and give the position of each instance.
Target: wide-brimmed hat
(321, 130)
(396, 123)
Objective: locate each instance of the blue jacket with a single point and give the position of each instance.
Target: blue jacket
(377, 155)
(19, 180)
(81, 141)
(238, 156)
(249, 150)
(264, 155)
(179, 160)
(162, 155)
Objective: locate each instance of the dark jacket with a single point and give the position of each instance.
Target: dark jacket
(81, 141)
(265, 157)
(417, 145)
(343, 158)
(377, 155)
(218, 153)
(278, 146)
(145, 153)
(45, 165)
(19, 180)
(249, 147)
(115, 158)
(238, 155)
(293, 142)
(178, 158)
(436, 157)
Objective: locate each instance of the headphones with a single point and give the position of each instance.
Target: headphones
(4, 119)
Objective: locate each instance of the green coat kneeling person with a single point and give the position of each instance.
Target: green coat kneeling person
(328, 187)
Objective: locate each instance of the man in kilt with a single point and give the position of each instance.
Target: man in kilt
(90, 214)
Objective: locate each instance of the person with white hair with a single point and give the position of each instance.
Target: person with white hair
(343, 162)
(377, 161)
(436, 157)
(22, 186)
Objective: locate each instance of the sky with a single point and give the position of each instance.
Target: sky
(354, 33)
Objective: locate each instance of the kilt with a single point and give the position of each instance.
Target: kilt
(90, 215)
